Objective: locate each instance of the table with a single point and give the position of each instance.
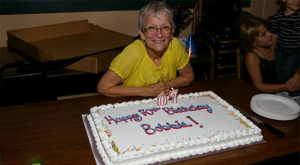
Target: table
(26, 82)
(53, 131)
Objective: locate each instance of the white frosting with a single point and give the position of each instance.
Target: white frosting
(201, 130)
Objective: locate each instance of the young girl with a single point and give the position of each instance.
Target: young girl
(286, 25)
(258, 44)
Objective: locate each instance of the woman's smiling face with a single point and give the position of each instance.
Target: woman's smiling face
(157, 33)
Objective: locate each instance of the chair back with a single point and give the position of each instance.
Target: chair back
(239, 61)
(242, 72)
(23, 82)
(197, 16)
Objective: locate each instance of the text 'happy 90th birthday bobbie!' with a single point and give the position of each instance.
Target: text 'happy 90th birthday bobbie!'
(150, 130)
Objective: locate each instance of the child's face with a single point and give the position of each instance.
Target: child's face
(293, 5)
(264, 38)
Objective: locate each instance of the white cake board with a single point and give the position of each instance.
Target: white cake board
(96, 154)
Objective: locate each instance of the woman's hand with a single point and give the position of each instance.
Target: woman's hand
(155, 89)
(109, 86)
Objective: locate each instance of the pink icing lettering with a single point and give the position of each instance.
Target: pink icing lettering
(136, 117)
(179, 125)
(209, 110)
(160, 128)
(109, 118)
(199, 107)
(183, 109)
(189, 117)
(172, 111)
(148, 130)
(151, 111)
(169, 111)
(192, 108)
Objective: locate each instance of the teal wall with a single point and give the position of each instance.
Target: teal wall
(58, 6)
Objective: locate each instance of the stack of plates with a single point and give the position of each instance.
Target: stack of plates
(275, 107)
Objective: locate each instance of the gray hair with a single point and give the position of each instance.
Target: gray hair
(154, 7)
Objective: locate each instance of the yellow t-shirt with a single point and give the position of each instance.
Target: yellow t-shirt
(136, 68)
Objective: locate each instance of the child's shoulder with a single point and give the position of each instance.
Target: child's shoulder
(251, 56)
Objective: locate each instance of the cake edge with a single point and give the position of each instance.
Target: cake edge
(186, 151)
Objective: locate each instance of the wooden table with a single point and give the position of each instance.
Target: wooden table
(53, 132)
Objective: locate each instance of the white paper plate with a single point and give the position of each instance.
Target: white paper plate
(275, 107)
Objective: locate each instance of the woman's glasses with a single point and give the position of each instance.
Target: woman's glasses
(153, 30)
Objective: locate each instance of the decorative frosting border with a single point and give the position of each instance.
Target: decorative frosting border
(110, 156)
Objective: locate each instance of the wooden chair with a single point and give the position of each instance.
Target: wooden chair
(204, 62)
(239, 63)
(23, 82)
(220, 49)
(242, 72)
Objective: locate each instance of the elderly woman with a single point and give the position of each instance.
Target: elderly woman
(149, 65)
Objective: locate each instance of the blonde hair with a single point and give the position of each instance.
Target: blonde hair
(249, 31)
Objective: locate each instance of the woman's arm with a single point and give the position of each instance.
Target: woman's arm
(186, 76)
(252, 64)
(109, 85)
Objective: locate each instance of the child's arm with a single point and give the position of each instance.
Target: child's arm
(252, 64)
(295, 81)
